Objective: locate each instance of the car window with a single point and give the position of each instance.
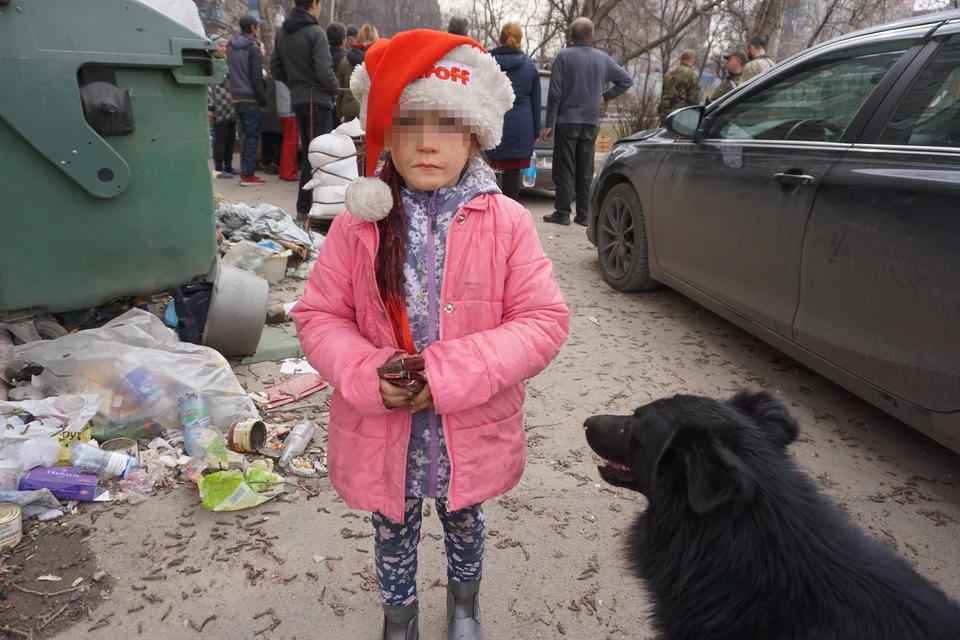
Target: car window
(929, 114)
(815, 104)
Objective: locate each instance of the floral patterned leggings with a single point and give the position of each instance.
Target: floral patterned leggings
(395, 548)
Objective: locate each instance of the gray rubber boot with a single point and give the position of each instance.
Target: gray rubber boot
(401, 623)
(463, 611)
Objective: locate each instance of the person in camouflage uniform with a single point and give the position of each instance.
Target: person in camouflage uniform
(681, 86)
(735, 62)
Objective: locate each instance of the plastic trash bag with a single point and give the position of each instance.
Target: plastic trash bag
(243, 222)
(34, 433)
(139, 369)
(248, 256)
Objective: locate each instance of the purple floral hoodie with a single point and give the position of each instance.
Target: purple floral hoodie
(429, 214)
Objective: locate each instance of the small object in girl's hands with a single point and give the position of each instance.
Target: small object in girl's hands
(407, 373)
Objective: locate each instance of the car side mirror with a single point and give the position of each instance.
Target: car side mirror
(685, 122)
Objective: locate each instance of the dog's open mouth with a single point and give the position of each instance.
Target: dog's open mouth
(616, 474)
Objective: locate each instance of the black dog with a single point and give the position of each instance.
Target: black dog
(737, 543)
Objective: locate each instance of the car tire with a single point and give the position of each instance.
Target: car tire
(622, 241)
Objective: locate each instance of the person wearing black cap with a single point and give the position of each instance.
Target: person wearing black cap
(352, 32)
(245, 61)
(735, 62)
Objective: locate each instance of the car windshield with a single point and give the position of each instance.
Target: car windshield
(815, 104)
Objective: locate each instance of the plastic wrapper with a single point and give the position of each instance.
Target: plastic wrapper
(39, 503)
(136, 486)
(233, 490)
(139, 369)
(248, 256)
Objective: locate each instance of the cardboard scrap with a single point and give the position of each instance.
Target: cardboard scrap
(290, 391)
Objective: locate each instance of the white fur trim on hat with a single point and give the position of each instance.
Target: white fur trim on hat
(482, 101)
(369, 199)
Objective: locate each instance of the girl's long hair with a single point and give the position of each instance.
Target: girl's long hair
(390, 259)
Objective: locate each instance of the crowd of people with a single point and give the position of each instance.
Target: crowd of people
(304, 92)
(681, 86)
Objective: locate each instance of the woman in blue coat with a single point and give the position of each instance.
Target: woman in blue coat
(521, 125)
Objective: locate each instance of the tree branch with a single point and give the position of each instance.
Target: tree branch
(673, 33)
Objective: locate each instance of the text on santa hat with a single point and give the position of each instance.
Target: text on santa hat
(450, 71)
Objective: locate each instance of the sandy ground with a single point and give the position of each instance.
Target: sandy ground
(554, 564)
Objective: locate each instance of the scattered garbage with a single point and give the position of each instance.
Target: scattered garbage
(39, 503)
(87, 455)
(248, 256)
(11, 526)
(234, 490)
(66, 483)
(296, 443)
(133, 369)
(126, 446)
(194, 418)
(243, 222)
(290, 391)
(296, 366)
(247, 436)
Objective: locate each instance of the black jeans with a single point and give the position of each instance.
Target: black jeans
(573, 149)
(322, 123)
(270, 145)
(510, 183)
(225, 135)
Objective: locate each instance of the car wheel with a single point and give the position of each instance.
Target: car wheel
(622, 241)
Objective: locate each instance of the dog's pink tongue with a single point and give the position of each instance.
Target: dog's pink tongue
(617, 466)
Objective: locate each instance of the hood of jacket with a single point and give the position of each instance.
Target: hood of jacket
(297, 20)
(243, 41)
(356, 54)
(508, 58)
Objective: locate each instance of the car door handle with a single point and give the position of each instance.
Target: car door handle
(798, 179)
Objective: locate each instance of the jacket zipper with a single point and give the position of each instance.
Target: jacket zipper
(433, 327)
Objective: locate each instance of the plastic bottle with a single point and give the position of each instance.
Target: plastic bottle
(89, 456)
(195, 418)
(297, 442)
(530, 173)
(136, 429)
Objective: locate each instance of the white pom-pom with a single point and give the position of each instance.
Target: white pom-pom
(369, 199)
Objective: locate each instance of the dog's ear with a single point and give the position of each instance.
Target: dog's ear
(713, 473)
(768, 414)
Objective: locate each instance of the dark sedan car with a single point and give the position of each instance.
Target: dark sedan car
(818, 207)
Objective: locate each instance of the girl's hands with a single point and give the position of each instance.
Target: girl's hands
(393, 396)
(424, 400)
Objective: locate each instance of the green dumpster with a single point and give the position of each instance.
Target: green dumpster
(103, 169)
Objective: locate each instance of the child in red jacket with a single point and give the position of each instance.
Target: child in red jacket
(430, 259)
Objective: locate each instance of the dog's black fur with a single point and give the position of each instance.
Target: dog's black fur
(737, 543)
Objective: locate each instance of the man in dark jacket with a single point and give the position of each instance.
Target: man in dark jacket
(575, 99)
(337, 34)
(248, 88)
(301, 59)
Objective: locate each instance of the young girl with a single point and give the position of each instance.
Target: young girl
(430, 259)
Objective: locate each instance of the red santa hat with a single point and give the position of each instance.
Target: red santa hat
(429, 70)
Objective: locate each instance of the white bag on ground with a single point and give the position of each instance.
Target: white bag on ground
(140, 369)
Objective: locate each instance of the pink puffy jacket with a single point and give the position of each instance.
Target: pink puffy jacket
(504, 320)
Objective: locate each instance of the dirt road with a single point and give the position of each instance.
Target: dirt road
(554, 566)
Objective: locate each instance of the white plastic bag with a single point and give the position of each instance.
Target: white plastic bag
(334, 162)
(183, 11)
(140, 369)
